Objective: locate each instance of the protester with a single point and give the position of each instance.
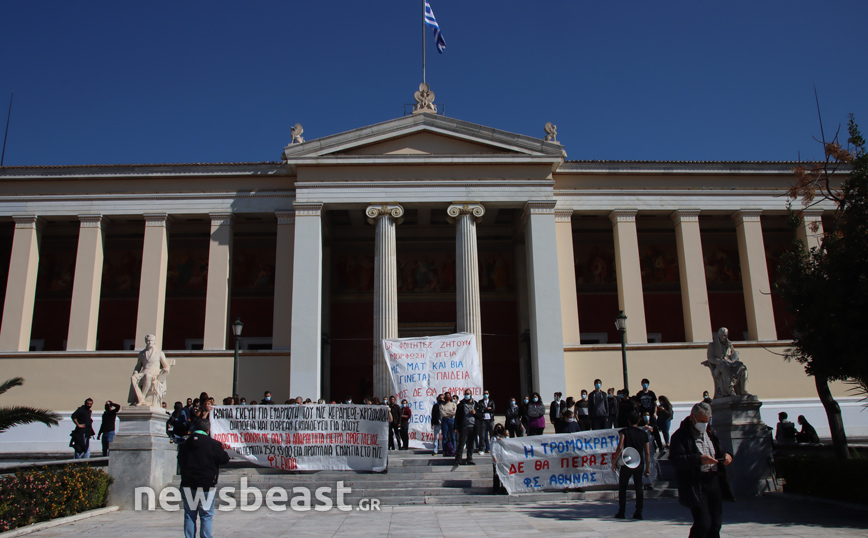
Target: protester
(648, 406)
(107, 427)
(514, 426)
(465, 428)
(569, 424)
(266, 398)
(83, 431)
(179, 423)
(435, 423)
(525, 420)
(613, 408)
(582, 412)
(633, 437)
(785, 431)
(700, 471)
(645, 425)
(706, 398)
(626, 408)
(664, 418)
(808, 434)
(487, 416)
(406, 413)
(556, 409)
(499, 432)
(199, 458)
(447, 419)
(598, 406)
(394, 424)
(536, 413)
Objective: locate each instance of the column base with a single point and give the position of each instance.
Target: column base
(141, 456)
(742, 433)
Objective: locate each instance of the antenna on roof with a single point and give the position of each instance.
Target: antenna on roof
(8, 115)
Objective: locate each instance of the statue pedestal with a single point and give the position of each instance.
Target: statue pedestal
(141, 455)
(742, 433)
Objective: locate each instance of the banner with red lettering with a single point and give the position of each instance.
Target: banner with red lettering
(424, 367)
(305, 437)
(556, 462)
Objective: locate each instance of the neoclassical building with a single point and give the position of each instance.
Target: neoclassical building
(419, 225)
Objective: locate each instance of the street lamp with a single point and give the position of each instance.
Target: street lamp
(621, 325)
(236, 330)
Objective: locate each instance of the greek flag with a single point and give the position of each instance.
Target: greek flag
(431, 21)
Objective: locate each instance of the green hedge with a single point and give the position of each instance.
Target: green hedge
(831, 478)
(46, 493)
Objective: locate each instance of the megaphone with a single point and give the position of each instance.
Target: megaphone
(630, 457)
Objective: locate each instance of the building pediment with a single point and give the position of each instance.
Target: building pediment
(428, 137)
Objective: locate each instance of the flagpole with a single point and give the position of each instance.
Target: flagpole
(423, 41)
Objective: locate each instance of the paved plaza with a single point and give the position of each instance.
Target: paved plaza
(767, 516)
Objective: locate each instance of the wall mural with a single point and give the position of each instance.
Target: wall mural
(253, 269)
(595, 264)
(188, 269)
(121, 271)
(659, 264)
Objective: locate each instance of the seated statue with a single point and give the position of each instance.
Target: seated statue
(727, 370)
(149, 376)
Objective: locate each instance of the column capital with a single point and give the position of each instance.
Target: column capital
(456, 209)
(812, 215)
(747, 215)
(375, 211)
(563, 215)
(538, 207)
(221, 219)
(156, 219)
(623, 215)
(285, 216)
(308, 209)
(92, 221)
(28, 221)
(685, 215)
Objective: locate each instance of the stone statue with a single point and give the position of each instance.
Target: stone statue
(296, 134)
(727, 370)
(551, 132)
(424, 99)
(149, 377)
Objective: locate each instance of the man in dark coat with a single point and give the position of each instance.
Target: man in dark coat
(700, 470)
(394, 424)
(83, 430)
(465, 428)
(199, 457)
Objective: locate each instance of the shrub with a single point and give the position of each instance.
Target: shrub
(821, 477)
(46, 493)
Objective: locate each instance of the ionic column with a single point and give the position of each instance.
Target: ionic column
(631, 298)
(755, 275)
(21, 284)
(152, 290)
(385, 216)
(544, 297)
(691, 269)
(567, 273)
(219, 283)
(810, 229)
(305, 370)
(469, 315)
(84, 311)
(280, 333)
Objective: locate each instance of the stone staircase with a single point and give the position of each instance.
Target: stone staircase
(413, 477)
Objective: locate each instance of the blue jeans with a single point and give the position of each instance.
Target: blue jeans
(447, 426)
(437, 446)
(204, 505)
(107, 439)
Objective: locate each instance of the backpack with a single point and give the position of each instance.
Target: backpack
(449, 449)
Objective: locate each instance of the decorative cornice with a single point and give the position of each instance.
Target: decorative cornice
(91, 221)
(156, 219)
(623, 215)
(538, 207)
(747, 215)
(563, 215)
(474, 209)
(32, 222)
(221, 219)
(308, 209)
(285, 216)
(375, 211)
(812, 215)
(685, 215)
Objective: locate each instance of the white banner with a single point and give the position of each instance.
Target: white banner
(305, 437)
(422, 368)
(556, 462)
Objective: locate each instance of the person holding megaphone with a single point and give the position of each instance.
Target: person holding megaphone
(633, 455)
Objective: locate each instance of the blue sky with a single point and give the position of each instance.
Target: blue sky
(102, 82)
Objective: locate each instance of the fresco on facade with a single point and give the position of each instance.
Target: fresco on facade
(121, 270)
(721, 264)
(595, 264)
(659, 264)
(253, 269)
(188, 269)
(56, 270)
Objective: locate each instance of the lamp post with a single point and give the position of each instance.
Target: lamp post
(236, 330)
(621, 324)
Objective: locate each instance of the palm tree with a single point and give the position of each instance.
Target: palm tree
(22, 414)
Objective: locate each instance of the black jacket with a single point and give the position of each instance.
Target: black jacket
(198, 458)
(463, 416)
(685, 458)
(435, 414)
(483, 407)
(513, 416)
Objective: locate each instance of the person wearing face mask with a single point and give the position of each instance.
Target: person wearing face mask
(406, 413)
(514, 426)
(83, 431)
(522, 410)
(485, 426)
(556, 409)
(633, 437)
(266, 398)
(447, 422)
(700, 469)
(613, 408)
(582, 412)
(598, 406)
(536, 415)
(436, 421)
(394, 424)
(648, 405)
(465, 428)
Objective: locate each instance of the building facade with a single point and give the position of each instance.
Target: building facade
(416, 226)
